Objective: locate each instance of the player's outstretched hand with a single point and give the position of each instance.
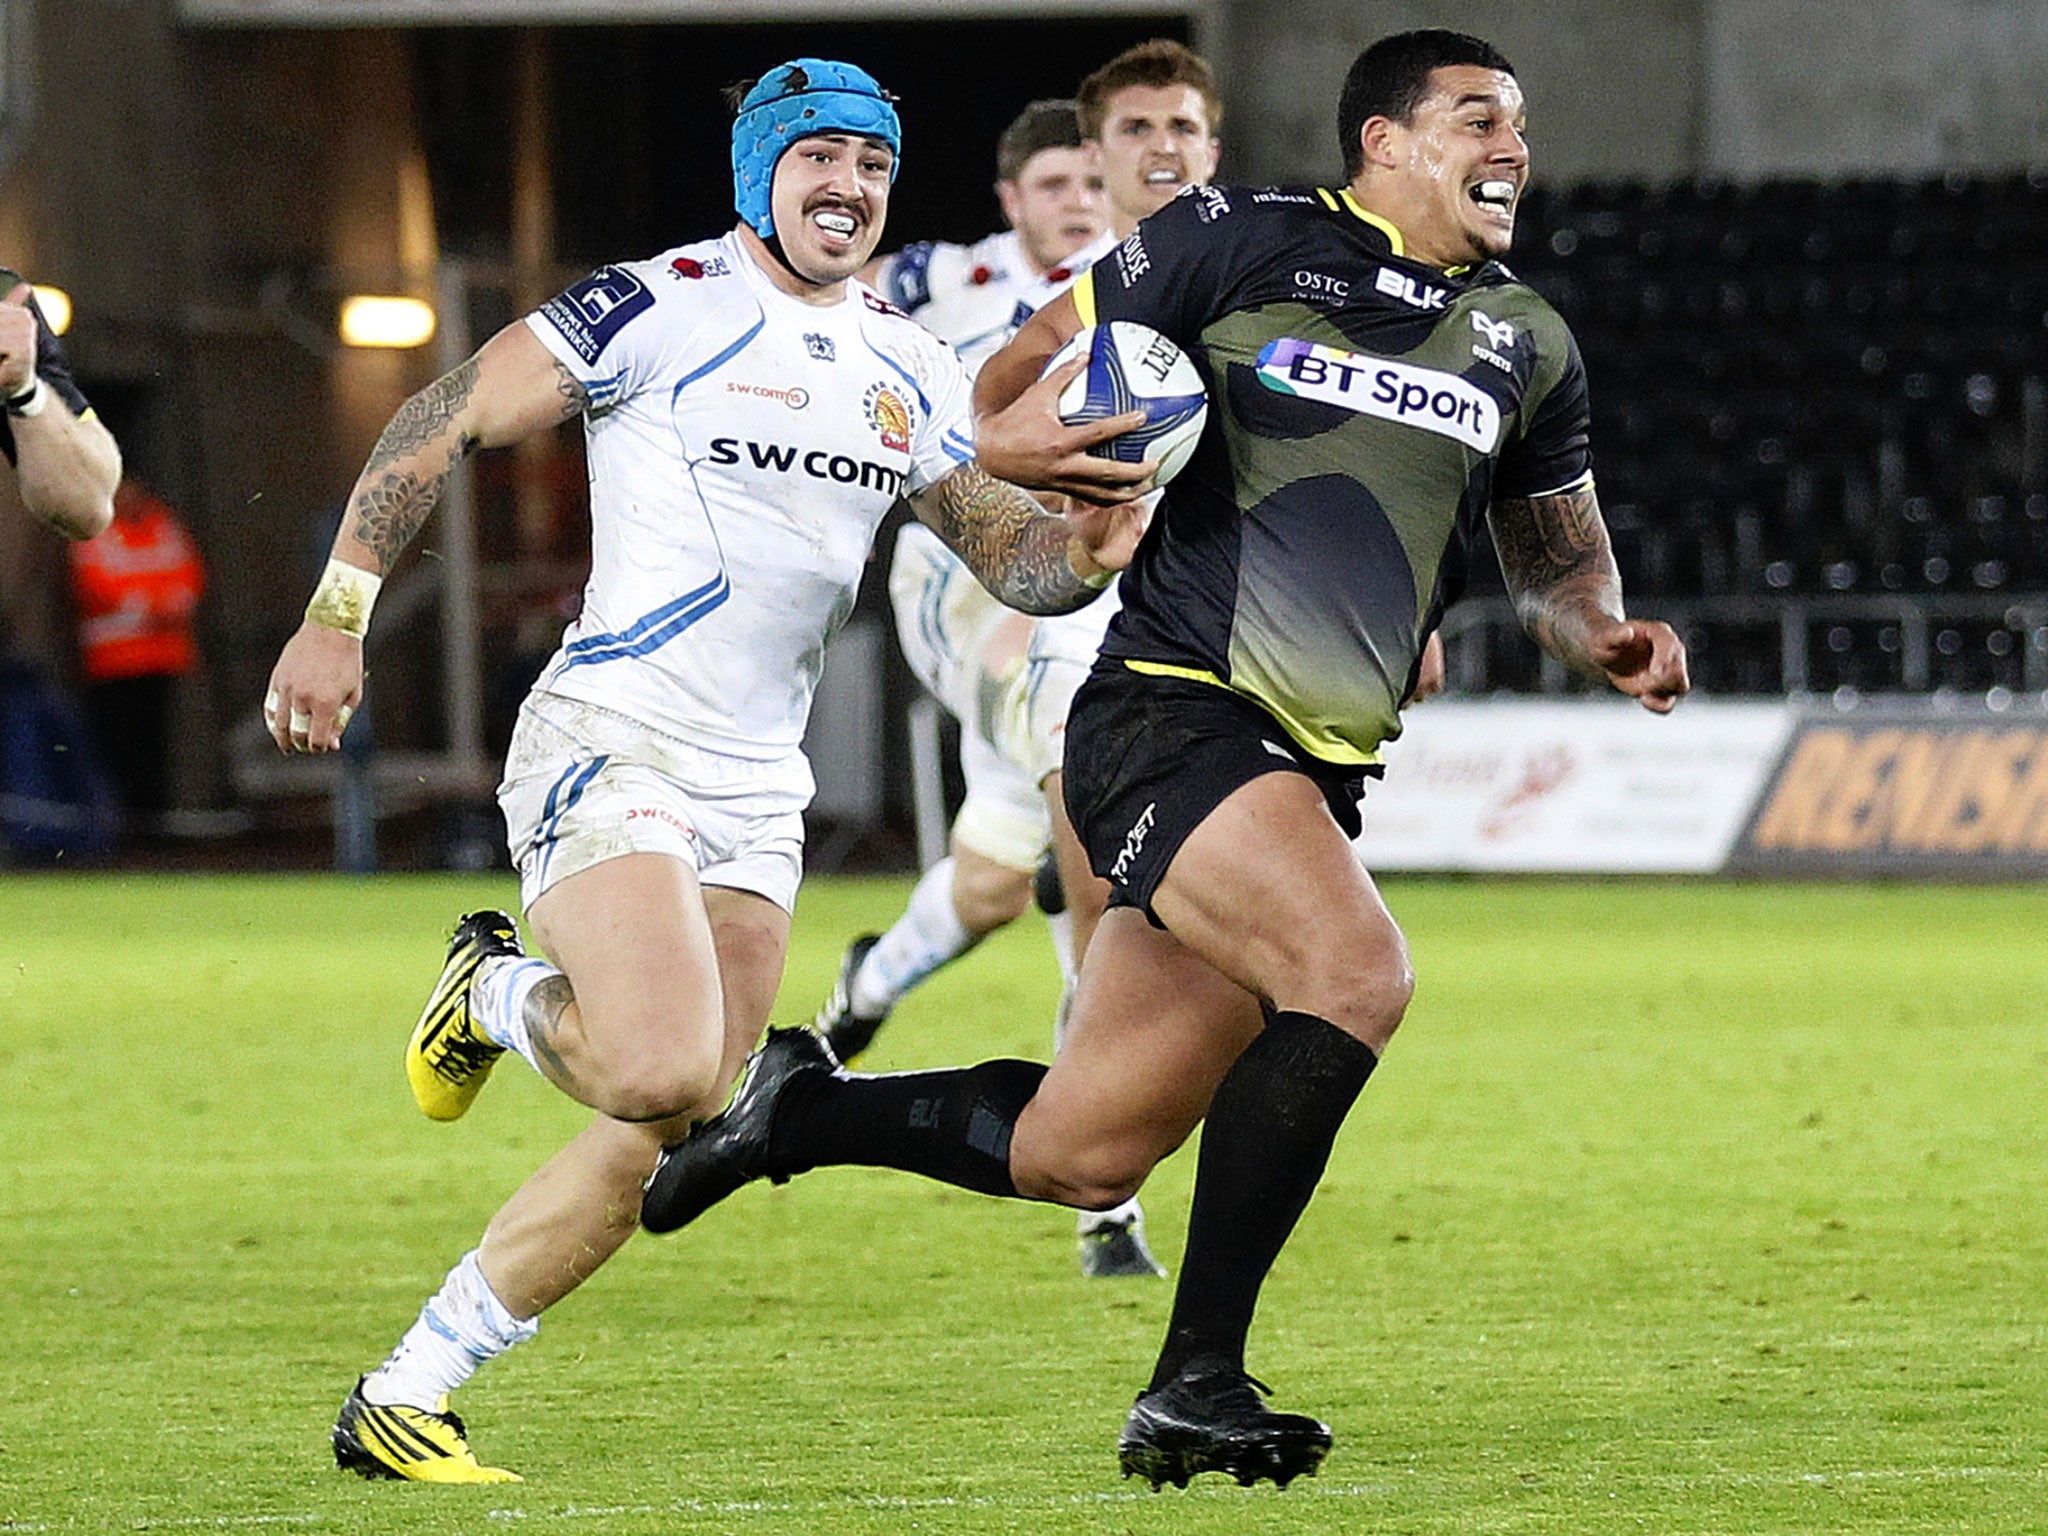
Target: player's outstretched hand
(1027, 444)
(1645, 659)
(17, 341)
(314, 689)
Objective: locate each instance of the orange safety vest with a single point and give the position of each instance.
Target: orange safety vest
(136, 586)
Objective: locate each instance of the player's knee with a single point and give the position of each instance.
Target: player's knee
(1087, 1179)
(1388, 1007)
(680, 1078)
(1364, 991)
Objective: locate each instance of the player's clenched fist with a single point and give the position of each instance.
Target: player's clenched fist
(17, 342)
(1645, 659)
(314, 689)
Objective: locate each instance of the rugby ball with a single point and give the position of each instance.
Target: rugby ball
(1132, 367)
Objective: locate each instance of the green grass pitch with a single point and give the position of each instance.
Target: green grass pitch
(1681, 1208)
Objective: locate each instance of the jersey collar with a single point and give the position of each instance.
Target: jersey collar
(1342, 201)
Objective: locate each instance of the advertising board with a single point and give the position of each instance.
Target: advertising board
(1591, 786)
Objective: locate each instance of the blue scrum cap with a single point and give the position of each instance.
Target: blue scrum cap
(790, 102)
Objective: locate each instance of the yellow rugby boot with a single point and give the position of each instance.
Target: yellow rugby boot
(448, 1057)
(409, 1443)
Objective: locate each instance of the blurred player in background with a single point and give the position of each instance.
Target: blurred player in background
(1144, 126)
(973, 654)
(655, 784)
(1154, 118)
(1051, 197)
(1391, 387)
(65, 462)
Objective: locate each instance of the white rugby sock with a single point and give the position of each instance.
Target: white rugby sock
(926, 936)
(1061, 926)
(1095, 1221)
(499, 994)
(462, 1325)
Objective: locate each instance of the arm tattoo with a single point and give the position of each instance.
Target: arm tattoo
(1559, 568)
(1545, 539)
(394, 500)
(575, 398)
(1015, 547)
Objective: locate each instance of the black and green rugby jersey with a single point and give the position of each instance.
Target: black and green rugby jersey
(51, 363)
(1364, 411)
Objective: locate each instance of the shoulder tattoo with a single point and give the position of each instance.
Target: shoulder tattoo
(575, 398)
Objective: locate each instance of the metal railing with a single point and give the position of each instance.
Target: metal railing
(1793, 645)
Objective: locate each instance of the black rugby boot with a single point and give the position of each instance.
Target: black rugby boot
(731, 1148)
(846, 1030)
(1210, 1418)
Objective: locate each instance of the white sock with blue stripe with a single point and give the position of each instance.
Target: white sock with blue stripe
(462, 1325)
(498, 996)
(925, 937)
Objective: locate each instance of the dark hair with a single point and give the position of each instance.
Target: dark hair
(1391, 77)
(1042, 125)
(1159, 62)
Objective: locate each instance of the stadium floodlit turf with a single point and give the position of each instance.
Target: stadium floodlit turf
(1677, 1208)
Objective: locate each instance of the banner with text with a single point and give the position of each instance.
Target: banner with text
(1592, 786)
(1956, 796)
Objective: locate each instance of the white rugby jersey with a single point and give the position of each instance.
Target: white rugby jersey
(743, 448)
(1048, 286)
(940, 279)
(1075, 636)
(963, 294)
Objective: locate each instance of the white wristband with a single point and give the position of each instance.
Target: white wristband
(344, 598)
(30, 402)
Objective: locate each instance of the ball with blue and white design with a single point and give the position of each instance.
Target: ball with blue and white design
(1132, 367)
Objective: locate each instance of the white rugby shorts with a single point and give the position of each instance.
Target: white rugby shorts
(1003, 816)
(584, 784)
(1006, 677)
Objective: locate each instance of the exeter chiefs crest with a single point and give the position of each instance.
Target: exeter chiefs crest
(889, 416)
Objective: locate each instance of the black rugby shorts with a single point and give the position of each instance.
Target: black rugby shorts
(1148, 758)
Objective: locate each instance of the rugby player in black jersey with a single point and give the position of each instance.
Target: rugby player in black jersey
(65, 462)
(1380, 388)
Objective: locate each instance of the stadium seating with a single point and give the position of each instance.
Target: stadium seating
(1820, 420)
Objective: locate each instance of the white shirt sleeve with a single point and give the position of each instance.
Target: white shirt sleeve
(591, 328)
(945, 439)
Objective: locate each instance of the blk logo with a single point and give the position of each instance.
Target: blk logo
(1418, 295)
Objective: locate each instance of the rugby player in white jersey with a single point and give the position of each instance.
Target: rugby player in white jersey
(980, 659)
(751, 414)
(968, 650)
(1143, 128)
(1051, 197)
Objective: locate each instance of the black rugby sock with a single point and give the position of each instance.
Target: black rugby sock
(952, 1125)
(1265, 1144)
